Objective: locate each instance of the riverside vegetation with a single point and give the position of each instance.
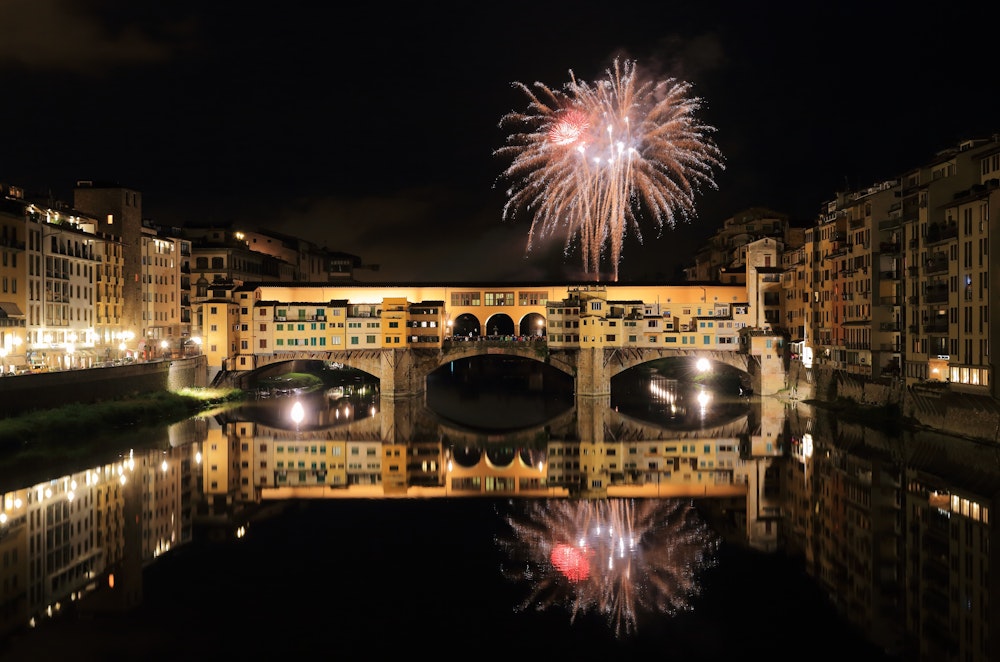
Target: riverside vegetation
(46, 437)
(49, 437)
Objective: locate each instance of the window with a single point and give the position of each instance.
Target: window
(465, 299)
(499, 298)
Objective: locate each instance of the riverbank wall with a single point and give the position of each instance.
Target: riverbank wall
(25, 393)
(935, 405)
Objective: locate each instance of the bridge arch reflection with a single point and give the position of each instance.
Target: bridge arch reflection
(406, 450)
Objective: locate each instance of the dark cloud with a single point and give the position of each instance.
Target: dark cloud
(65, 36)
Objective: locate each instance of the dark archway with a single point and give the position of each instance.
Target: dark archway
(466, 456)
(499, 324)
(465, 325)
(532, 326)
(501, 456)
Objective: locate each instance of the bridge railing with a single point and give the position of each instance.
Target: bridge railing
(493, 341)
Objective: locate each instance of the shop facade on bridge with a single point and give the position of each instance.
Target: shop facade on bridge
(268, 321)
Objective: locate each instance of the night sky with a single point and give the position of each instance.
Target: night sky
(371, 127)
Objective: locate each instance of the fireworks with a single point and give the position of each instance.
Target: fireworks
(617, 557)
(594, 158)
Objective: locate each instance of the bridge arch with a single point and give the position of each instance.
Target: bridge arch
(403, 372)
(617, 361)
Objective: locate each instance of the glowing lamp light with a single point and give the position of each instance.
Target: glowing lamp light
(298, 413)
(571, 561)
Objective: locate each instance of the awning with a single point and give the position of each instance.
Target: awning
(8, 309)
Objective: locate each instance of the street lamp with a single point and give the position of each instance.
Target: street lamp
(163, 346)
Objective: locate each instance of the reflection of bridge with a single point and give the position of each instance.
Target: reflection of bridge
(405, 450)
(403, 372)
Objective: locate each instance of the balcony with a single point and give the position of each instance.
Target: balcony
(936, 294)
(890, 275)
(936, 326)
(938, 345)
(937, 232)
(936, 263)
(889, 248)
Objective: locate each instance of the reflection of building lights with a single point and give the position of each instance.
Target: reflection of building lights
(298, 413)
(807, 445)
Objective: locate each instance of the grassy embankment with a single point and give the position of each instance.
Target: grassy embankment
(80, 430)
(74, 430)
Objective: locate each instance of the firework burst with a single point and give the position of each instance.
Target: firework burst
(592, 159)
(617, 558)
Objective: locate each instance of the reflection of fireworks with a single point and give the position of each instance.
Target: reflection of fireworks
(585, 156)
(615, 557)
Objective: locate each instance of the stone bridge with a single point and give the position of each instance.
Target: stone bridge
(403, 373)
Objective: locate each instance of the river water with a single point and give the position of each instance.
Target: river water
(677, 518)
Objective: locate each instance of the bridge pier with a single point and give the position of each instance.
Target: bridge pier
(399, 376)
(592, 378)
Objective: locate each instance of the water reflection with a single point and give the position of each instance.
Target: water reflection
(617, 558)
(897, 530)
(498, 393)
(675, 403)
(315, 409)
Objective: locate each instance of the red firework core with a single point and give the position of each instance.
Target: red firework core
(571, 125)
(571, 562)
